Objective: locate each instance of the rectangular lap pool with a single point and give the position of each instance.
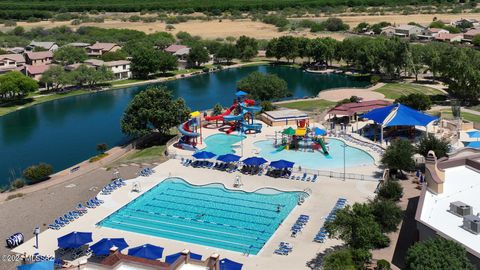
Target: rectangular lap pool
(208, 215)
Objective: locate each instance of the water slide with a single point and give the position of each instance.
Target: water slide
(221, 116)
(257, 127)
(186, 130)
(322, 144)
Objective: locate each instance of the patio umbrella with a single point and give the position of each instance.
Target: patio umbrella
(319, 132)
(280, 164)
(288, 131)
(173, 257)
(103, 246)
(44, 265)
(147, 251)
(226, 264)
(228, 158)
(240, 93)
(256, 161)
(203, 155)
(74, 239)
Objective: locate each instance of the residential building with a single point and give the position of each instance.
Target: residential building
(181, 52)
(447, 37)
(36, 72)
(470, 34)
(78, 45)
(408, 30)
(448, 206)
(39, 58)
(10, 62)
(98, 49)
(45, 45)
(17, 50)
(431, 33)
(120, 68)
(388, 31)
(474, 22)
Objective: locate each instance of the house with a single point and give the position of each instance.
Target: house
(388, 31)
(430, 33)
(120, 68)
(474, 22)
(17, 50)
(470, 34)
(181, 52)
(49, 46)
(408, 30)
(447, 37)
(448, 205)
(10, 62)
(78, 45)
(38, 58)
(36, 72)
(98, 49)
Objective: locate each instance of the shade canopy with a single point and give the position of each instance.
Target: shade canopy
(319, 132)
(254, 161)
(146, 251)
(74, 239)
(172, 258)
(399, 115)
(289, 131)
(203, 155)
(473, 144)
(474, 134)
(281, 164)
(226, 264)
(104, 246)
(44, 265)
(240, 94)
(228, 158)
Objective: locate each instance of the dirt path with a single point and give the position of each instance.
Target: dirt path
(343, 93)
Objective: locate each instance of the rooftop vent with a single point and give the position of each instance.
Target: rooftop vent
(460, 209)
(471, 223)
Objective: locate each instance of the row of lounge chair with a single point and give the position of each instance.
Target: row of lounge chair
(108, 189)
(252, 170)
(279, 173)
(283, 249)
(374, 147)
(299, 225)
(221, 166)
(75, 214)
(322, 234)
(146, 172)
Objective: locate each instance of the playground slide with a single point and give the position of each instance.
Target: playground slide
(257, 127)
(280, 148)
(324, 148)
(221, 116)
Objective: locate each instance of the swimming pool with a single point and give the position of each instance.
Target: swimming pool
(317, 160)
(208, 215)
(221, 144)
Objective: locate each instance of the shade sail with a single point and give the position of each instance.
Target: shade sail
(256, 161)
(228, 158)
(172, 258)
(281, 164)
(473, 144)
(226, 264)
(399, 115)
(319, 132)
(474, 134)
(289, 131)
(74, 239)
(203, 155)
(45, 265)
(103, 246)
(146, 251)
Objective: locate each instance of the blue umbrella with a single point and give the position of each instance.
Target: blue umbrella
(172, 258)
(74, 239)
(147, 251)
(280, 164)
(228, 158)
(226, 264)
(203, 155)
(256, 161)
(103, 246)
(240, 94)
(44, 265)
(319, 132)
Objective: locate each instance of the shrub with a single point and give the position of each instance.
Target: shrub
(37, 173)
(17, 183)
(440, 146)
(102, 147)
(391, 190)
(339, 259)
(267, 106)
(387, 214)
(374, 79)
(417, 101)
(205, 69)
(217, 109)
(10, 23)
(134, 18)
(76, 22)
(13, 196)
(383, 265)
(33, 20)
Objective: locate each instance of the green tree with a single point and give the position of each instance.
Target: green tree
(56, 77)
(166, 62)
(383, 265)
(417, 101)
(390, 190)
(14, 85)
(37, 173)
(437, 253)
(102, 147)
(387, 214)
(267, 106)
(399, 156)
(153, 110)
(415, 61)
(247, 47)
(67, 55)
(272, 49)
(197, 56)
(287, 47)
(335, 24)
(362, 27)
(217, 109)
(114, 56)
(264, 86)
(339, 260)
(144, 62)
(440, 146)
(226, 52)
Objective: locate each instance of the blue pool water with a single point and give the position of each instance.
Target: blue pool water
(317, 160)
(221, 144)
(207, 215)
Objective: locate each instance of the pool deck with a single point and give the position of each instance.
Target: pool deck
(325, 193)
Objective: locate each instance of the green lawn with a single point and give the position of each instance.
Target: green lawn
(447, 114)
(309, 105)
(121, 82)
(153, 153)
(396, 90)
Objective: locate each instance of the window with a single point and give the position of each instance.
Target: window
(124, 66)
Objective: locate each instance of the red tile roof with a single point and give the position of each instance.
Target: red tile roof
(39, 55)
(13, 56)
(102, 46)
(174, 48)
(35, 70)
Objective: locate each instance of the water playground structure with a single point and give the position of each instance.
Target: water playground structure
(191, 132)
(238, 117)
(303, 138)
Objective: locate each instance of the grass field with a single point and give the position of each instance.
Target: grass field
(447, 114)
(396, 90)
(154, 153)
(122, 82)
(309, 105)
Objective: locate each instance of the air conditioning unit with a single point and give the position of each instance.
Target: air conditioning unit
(460, 209)
(471, 223)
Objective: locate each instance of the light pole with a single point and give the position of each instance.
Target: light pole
(36, 232)
(344, 146)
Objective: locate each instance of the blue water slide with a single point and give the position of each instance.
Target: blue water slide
(188, 133)
(251, 109)
(229, 118)
(257, 127)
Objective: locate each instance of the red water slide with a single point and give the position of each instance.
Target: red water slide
(220, 117)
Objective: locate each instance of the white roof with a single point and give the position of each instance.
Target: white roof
(286, 114)
(462, 183)
(407, 27)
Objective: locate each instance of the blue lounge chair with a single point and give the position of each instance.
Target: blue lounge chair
(54, 226)
(64, 220)
(304, 176)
